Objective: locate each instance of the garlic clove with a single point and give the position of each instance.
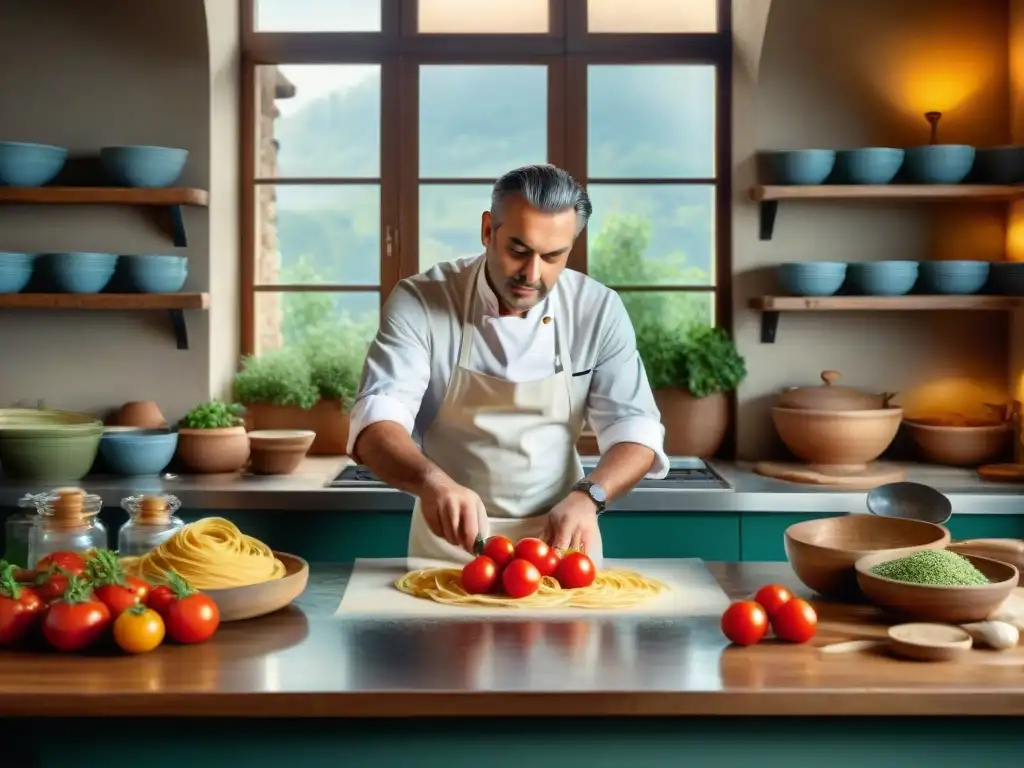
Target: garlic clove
(994, 634)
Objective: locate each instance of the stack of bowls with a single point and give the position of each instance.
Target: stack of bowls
(141, 166)
(882, 278)
(15, 271)
(867, 165)
(938, 163)
(953, 278)
(802, 166)
(1007, 277)
(78, 272)
(30, 165)
(154, 273)
(811, 278)
(48, 444)
(131, 452)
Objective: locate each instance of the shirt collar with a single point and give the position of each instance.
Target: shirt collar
(489, 301)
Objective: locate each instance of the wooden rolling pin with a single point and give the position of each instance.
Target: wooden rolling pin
(1005, 550)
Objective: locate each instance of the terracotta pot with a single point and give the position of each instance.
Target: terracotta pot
(957, 446)
(694, 426)
(278, 451)
(142, 414)
(213, 451)
(326, 418)
(838, 438)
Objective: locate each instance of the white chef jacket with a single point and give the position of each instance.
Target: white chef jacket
(411, 360)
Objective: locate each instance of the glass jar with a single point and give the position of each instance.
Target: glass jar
(151, 521)
(17, 529)
(66, 521)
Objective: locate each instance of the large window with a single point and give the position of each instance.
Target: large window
(376, 128)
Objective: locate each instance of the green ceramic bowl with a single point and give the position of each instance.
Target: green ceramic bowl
(52, 456)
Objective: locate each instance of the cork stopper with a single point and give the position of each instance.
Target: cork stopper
(68, 509)
(154, 510)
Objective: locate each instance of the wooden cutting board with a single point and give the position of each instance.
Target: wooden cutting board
(370, 593)
(869, 477)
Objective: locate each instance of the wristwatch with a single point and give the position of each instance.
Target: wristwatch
(594, 491)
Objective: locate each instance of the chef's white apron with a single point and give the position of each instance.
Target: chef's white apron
(514, 444)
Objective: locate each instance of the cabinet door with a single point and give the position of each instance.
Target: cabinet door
(986, 526)
(762, 533)
(707, 535)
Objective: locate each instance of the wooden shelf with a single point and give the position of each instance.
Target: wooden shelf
(170, 198)
(173, 303)
(771, 306)
(769, 196)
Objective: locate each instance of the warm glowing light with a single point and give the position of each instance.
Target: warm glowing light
(1015, 232)
(963, 396)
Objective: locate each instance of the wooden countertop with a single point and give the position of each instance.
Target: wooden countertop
(302, 662)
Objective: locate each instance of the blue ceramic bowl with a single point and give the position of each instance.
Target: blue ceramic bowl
(15, 271)
(155, 273)
(882, 278)
(953, 278)
(143, 166)
(999, 165)
(938, 163)
(142, 452)
(30, 165)
(1007, 278)
(802, 166)
(868, 165)
(811, 278)
(78, 272)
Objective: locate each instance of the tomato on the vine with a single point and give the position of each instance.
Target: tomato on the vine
(112, 585)
(479, 575)
(521, 578)
(190, 616)
(533, 550)
(500, 549)
(20, 609)
(771, 597)
(745, 622)
(139, 629)
(70, 563)
(576, 570)
(795, 621)
(51, 585)
(77, 620)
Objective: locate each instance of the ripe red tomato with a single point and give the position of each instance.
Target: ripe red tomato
(77, 620)
(745, 622)
(190, 616)
(20, 609)
(51, 586)
(68, 562)
(500, 549)
(549, 565)
(159, 598)
(116, 597)
(479, 575)
(795, 621)
(576, 570)
(771, 597)
(111, 584)
(533, 550)
(520, 578)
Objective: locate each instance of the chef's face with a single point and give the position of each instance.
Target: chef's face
(526, 252)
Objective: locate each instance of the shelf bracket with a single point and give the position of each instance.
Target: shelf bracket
(769, 327)
(178, 226)
(768, 210)
(180, 329)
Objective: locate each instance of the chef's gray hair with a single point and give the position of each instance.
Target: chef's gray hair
(547, 188)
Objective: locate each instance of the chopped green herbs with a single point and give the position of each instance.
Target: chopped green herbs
(935, 567)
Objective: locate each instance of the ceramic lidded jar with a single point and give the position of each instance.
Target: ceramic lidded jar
(151, 522)
(67, 520)
(830, 396)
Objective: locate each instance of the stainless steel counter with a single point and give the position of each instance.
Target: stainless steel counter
(308, 490)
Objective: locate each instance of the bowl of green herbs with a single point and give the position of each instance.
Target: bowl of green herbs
(936, 585)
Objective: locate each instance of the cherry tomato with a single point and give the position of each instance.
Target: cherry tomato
(77, 620)
(138, 587)
(533, 550)
(190, 616)
(20, 609)
(51, 586)
(68, 562)
(117, 598)
(111, 584)
(479, 576)
(139, 629)
(549, 565)
(500, 549)
(159, 598)
(576, 570)
(795, 621)
(771, 597)
(745, 622)
(520, 578)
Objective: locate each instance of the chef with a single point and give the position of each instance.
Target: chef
(496, 362)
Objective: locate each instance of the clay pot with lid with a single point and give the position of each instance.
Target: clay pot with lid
(835, 425)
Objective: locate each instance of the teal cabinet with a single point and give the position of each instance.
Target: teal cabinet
(987, 526)
(707, 535)
(762, 534)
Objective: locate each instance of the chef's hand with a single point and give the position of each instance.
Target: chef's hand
(453, 512)
(572, 523)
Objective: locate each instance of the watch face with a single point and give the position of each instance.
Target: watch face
(597, 494)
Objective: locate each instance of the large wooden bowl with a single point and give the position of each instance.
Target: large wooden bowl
(959, 446)
(924, 602)
(844, 438)
(823, 552)
(238, 603)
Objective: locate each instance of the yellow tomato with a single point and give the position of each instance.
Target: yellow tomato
(138, 630)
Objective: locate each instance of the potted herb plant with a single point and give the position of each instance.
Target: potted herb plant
(212, 438)
(691, 372)
(311, 385)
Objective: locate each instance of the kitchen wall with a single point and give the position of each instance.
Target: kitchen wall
(862, 74)
(84, 75)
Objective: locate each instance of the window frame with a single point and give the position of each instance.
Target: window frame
(567, 48)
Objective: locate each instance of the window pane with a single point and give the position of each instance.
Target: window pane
(318, 233)
(318, 121)
(483, 16)
(671, 309)
(461, 139)
(651, 121)
(652, 16)
(450, 221)
(652, 234)
(289, 318)
(318, 16)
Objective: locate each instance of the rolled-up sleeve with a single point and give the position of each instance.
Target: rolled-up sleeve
(397, 368)
(620, 405)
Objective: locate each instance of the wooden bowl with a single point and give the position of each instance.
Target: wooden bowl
(823, 552)
(238, 603)
(847, 438)
(924, 602)
(959, 446)
(929, 642)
